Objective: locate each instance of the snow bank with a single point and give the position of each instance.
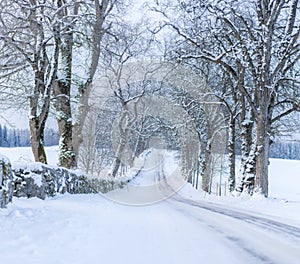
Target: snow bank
(272, 207)
(24, 154)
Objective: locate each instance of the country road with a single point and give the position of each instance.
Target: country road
(260, 239)
(146, 222)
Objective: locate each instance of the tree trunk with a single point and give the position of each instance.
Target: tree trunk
(231, 154)
(37, 140)
(206, 169)
(248, 147)
(37, 120)
(80, 117)
(62, 92)
(124, 126)
(262, 152)
(120, 151)
(102, 10)
(116, 167)
(64, 120)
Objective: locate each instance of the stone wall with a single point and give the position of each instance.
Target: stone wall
(39, 180)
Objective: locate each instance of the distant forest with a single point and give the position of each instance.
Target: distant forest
(285, 150)
(11, 137)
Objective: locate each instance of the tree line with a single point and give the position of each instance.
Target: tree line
(12, 137)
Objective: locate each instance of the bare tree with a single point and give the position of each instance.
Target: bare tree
(46, 39)
(129, 42)
(83, 25)
(259, 39)
(26, 32)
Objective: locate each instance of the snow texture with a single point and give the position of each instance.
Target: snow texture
(190, 227)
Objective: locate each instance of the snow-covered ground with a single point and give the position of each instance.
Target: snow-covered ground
(24, 154)
(189, 227)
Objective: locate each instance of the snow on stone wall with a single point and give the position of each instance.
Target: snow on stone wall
(6, 182)
(39, 180)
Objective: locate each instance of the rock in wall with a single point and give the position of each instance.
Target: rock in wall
(6, 182)
(40, 180)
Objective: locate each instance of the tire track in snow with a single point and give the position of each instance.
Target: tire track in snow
(264, 240)
(249, 247)
(258, 242)
(269, 224)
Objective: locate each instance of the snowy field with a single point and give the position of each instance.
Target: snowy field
(189, 227)
(24, 154)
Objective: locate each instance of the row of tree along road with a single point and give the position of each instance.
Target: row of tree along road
(247, 52)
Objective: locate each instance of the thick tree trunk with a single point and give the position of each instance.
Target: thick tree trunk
(248, 147)
(231, 154)
(206, 169)
(204, 176)
(62, 93)
(37, 140)
(64, 120)
(262, 153)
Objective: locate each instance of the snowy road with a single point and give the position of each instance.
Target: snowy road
(259, 239)
(81, 229)
(263, 240)
(91, 229)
